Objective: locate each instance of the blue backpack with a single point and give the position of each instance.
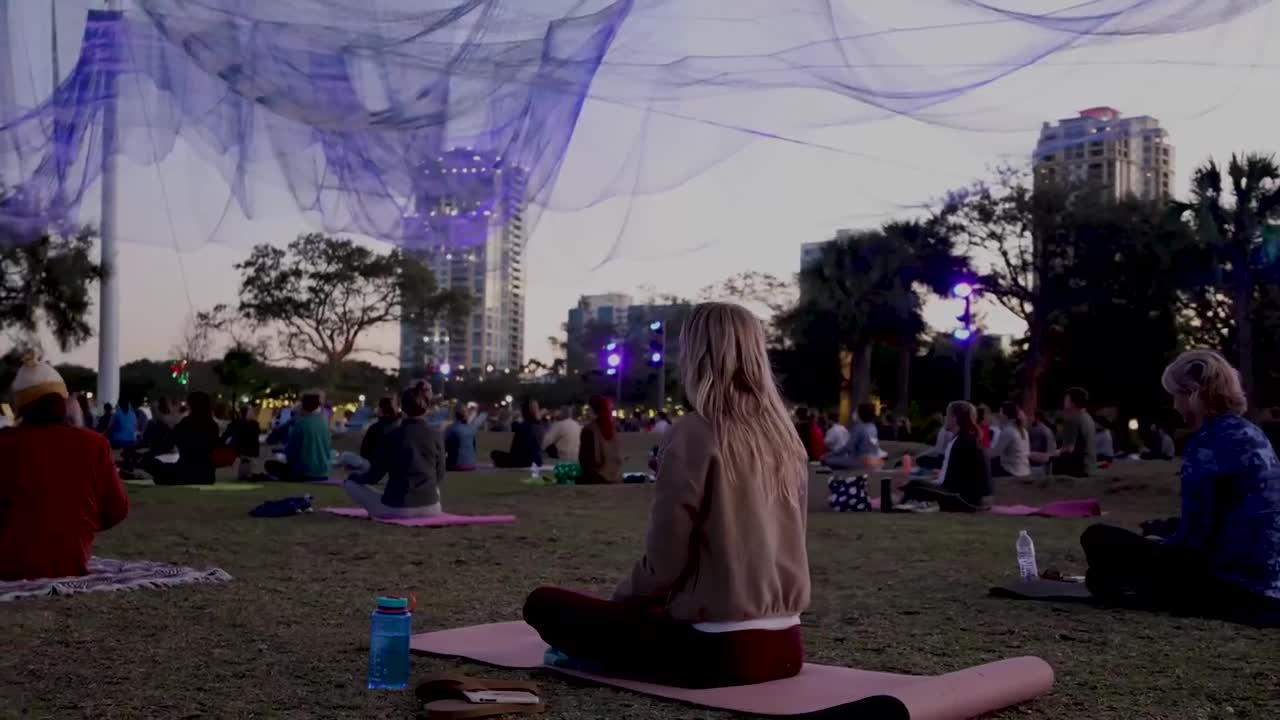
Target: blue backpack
(286, 507)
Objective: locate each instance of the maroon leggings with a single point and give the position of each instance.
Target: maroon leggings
(643, 644)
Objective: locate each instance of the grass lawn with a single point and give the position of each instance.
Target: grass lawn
(289, 637)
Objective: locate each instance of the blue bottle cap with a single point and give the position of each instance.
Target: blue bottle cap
(393, 604)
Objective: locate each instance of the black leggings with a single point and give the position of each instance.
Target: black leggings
(1128, 569)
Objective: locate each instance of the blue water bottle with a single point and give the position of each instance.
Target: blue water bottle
(389, 644)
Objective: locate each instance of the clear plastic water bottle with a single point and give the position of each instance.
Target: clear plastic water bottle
(535, 473)
(1027, 569)
(389, 644)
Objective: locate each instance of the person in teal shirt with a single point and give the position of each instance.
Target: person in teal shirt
(307, 451)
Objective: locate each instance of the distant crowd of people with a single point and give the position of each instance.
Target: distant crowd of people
(716, 595)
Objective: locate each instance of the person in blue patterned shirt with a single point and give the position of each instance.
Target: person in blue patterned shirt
(1224, 559)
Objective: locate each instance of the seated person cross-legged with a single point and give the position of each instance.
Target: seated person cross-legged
(195, 437)
(460, 441)
(862, 450)
(412, 460)
(598, 453)
(308, 453)
(716, 598)
(1224, 559)
(965, 480)
(58, 486)
(526, 440)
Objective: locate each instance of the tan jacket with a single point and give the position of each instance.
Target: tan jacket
(715, 552)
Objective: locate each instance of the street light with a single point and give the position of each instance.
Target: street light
(965, 290)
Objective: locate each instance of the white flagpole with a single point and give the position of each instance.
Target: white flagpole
(109, 298)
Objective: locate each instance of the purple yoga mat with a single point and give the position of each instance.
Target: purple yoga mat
(445, 520)
(955, 696)
(1062, 509)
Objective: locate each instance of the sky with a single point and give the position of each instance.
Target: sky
(1214, 91)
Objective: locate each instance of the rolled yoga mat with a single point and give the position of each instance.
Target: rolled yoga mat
(1047, 590)
(819, 691)
(444, 520)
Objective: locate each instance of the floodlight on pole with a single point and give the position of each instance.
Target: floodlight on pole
(962, 290)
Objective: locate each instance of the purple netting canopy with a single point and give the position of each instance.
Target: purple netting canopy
(424, 122)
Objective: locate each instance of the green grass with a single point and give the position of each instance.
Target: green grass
(289, 637)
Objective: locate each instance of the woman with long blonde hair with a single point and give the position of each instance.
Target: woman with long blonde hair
(1224, 559)
(716, 597)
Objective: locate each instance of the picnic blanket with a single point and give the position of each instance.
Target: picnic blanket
(818, 691)
(106, 575)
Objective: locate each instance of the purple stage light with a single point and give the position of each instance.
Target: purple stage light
(962, 290)
(614, 360)
(962, 334)
(656, 357)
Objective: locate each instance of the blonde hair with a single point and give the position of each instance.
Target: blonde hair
(726, 375)
(1210, 381)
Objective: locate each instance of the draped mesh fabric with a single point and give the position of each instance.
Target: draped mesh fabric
(425, 121)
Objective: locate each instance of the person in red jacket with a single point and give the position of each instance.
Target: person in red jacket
(58, 487)
(810, 434)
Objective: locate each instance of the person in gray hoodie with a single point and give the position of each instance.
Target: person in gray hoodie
(412, 458)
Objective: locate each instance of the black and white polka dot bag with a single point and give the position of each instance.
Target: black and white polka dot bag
(848, 494)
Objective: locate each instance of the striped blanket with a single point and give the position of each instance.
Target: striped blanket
(106, 575)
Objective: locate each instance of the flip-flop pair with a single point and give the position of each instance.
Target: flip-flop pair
(455, 697)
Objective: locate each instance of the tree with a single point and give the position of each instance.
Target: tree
(235, 371)
(758, 291)
(46, 281)
(866, 287)
(321, 295)
(1097, 281)
(1231, 226)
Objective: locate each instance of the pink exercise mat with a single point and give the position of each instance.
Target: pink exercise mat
(445, 520)
(955, 696)
(1064, 509)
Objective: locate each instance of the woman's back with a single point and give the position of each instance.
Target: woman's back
(599, 456)
(1013, 448)
(748, 558)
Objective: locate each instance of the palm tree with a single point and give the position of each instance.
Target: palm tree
(1233, 231)
(869, 284)
(929, 264)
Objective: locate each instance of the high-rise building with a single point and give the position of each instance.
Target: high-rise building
(1128, 156)
(811, 253)
(615, 317)
(483, 257)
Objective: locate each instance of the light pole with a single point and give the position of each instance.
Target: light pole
(658, 359)
(965, 334)
(613, 363)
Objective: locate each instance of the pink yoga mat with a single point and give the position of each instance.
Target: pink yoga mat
(445, 520)
(955, 696)
(1065, 509)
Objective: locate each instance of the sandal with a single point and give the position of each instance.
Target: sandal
(446, 697)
